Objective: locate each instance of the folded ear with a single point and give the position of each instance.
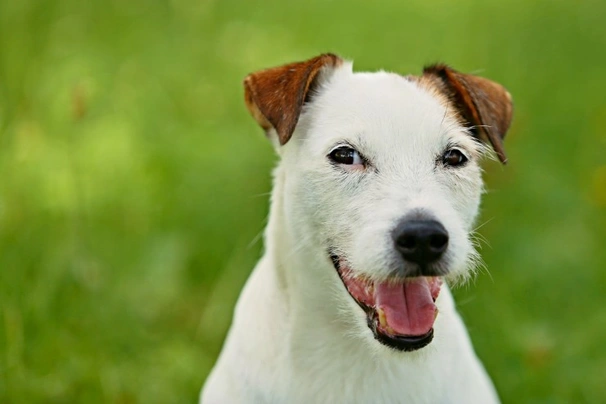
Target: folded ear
(276, 96)
(484, 104)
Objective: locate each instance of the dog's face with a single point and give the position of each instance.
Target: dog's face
(383, 173)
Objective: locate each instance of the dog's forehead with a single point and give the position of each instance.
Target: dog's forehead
(397, 110)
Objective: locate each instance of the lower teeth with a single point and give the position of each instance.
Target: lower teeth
(383, 321)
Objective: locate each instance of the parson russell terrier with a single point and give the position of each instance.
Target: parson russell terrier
(372, 214)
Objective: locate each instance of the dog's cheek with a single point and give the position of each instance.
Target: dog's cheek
(455, 203)
(320, 200)
(461, 254)
(302, 207)
(464, 189)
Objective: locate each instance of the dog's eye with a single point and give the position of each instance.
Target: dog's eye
(454, 157)
(346, 155)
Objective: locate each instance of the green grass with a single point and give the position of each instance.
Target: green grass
(133, 182)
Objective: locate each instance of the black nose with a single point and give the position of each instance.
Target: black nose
(421, 241)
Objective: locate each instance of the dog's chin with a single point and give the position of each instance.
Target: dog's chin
(400, 312)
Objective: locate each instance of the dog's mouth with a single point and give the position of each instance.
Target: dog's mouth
(400, 311)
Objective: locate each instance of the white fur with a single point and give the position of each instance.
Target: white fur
(297, 335)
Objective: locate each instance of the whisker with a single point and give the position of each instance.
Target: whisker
(483, 224)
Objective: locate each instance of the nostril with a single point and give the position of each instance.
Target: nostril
(438, 242)
(407, 242)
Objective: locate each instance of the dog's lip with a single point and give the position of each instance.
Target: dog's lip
(395, 341)
(400, 342)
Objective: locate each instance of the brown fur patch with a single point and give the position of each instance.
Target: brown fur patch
(480, 102)
(276, 96)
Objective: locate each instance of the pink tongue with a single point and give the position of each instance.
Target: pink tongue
(409, 308)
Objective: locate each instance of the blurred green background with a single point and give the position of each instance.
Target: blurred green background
(133, 184)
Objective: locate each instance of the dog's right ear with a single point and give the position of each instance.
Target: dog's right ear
(275, 96)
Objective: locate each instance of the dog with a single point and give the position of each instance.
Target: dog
(372, 216)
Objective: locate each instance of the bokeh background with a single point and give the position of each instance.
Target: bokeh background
(134, 185)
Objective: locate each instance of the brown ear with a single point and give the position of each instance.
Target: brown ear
(482, 103)
(276, 96)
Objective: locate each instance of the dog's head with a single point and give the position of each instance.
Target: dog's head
(382, 175)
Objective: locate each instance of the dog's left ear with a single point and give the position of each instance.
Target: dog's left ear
(484, 104)
(275, 96)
